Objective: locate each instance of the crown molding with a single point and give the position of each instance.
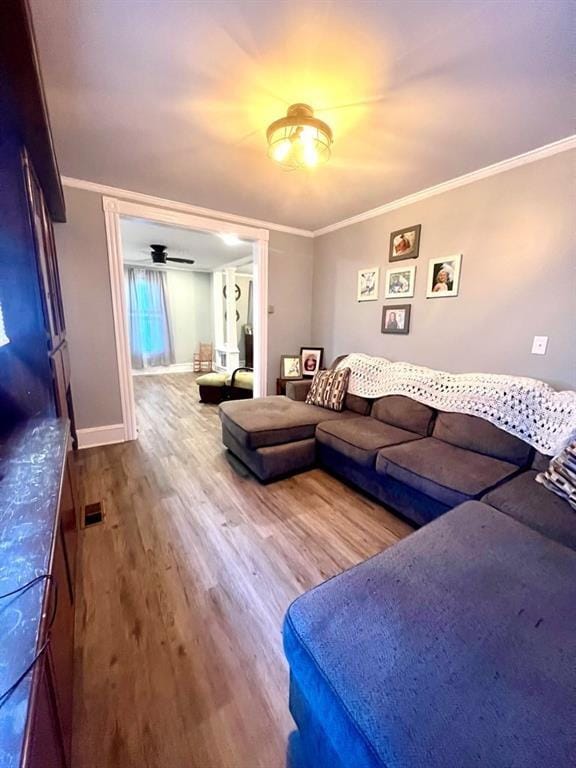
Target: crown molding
(563, 145)
(540, 153)
(175, 205)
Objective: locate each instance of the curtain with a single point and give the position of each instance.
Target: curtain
(151, 341)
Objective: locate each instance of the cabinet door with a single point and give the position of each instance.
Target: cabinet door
(61, 386)
(46, 259)
(69, 523)
(46, 748)
(61, 634)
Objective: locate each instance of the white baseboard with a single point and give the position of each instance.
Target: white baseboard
(95, 436)
(158, 369)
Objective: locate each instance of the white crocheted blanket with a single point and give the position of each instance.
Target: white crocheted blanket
(526, 408)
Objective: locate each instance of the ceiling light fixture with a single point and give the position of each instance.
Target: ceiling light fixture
(299, 140)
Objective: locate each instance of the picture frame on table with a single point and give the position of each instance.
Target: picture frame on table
(311, 360)
(405, 243)
(443, 277)
(396, 318)
(368, 281)
(290, 367)
(400, 282)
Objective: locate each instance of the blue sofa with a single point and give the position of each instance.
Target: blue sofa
(455, 648)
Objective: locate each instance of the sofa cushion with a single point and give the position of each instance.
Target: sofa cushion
(359, 405)
(445, 472)
(541, 461)
(532, 504)
(451, 649)
(479, 435)
(403, 412)
(273, 420)
(328, 389)
(298, 389)
(360, 439)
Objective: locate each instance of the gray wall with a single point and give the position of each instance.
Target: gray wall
(83, 260)
(190, 307)
(518, 278)
(290, 294)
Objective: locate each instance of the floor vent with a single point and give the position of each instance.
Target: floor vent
(93, 514)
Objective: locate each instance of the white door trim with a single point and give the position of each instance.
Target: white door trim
(113, 210)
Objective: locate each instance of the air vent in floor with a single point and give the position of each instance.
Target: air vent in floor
(93, 514)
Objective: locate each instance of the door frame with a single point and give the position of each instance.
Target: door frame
(114, 209)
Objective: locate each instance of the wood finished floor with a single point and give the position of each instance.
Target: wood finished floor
(182, 591)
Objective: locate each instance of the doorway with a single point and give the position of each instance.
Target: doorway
(223, 265)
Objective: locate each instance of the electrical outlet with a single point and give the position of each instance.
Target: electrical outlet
(539, 345)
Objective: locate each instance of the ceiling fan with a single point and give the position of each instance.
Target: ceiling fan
(160, 256)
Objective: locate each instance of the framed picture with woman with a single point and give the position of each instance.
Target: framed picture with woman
(311, 358)
(396, 319)
(443, 276)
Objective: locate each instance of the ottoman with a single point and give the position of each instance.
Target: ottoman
(454, 648)
(212, 388)
(274, 436)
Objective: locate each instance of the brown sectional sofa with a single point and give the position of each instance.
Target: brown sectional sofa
(414, 459)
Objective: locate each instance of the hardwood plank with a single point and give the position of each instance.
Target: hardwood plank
(183, 589)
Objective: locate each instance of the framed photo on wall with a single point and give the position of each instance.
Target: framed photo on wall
(368, 280)
(290, 367)
(396, 318)
(311, 360)
(443, 277)
(400, 282)
(405, 243)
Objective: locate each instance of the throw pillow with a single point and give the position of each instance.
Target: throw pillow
(560, 477)
(329, 389)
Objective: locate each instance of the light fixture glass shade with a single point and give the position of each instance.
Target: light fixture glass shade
(299, 140)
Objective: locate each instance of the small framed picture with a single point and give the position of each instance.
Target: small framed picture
(400, 282)
(443, 276)
(311, 360)
(290, 367)
(405, 243)
(396, 319)
(368, 280)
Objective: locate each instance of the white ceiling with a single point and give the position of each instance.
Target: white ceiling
(173, 98)
(207, 249)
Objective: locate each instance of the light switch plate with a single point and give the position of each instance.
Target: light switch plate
(539, 345)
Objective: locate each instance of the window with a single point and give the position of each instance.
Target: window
(150, 334)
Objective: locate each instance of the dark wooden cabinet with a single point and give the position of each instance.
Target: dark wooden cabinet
(49, 734)
(46, 744)
(34, 364)
(35, 371)
(51, 295)
(45, 257)
(61, 637)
